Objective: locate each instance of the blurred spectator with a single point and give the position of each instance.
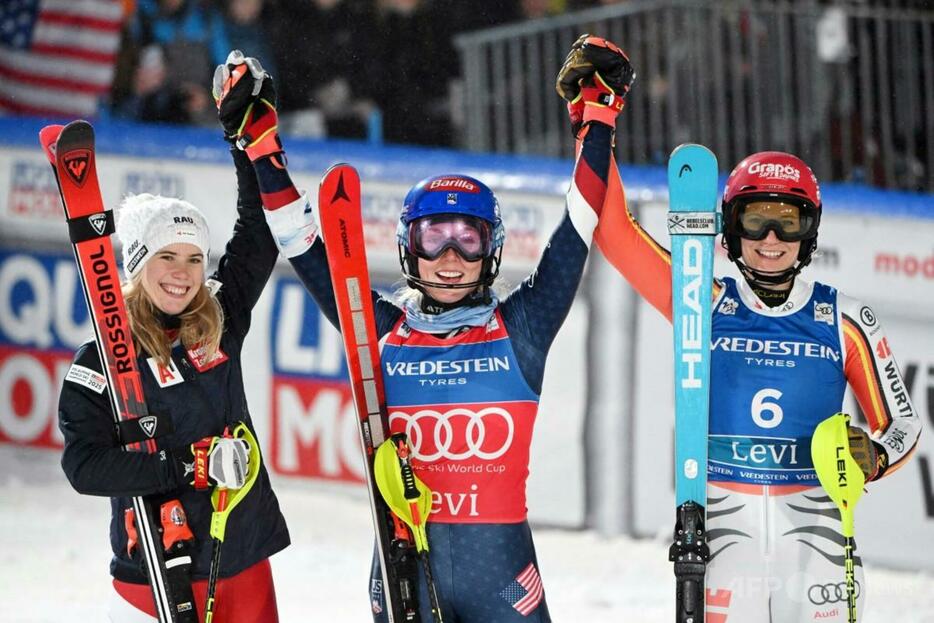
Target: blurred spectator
(247, 31)
(192, 33)
(467, 16)
(154, 97)
(328, 62)
(418, 61)
(534, 9)
(193, 40)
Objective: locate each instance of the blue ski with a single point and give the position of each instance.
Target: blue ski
(693, 223)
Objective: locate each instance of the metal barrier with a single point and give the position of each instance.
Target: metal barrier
(848, 88)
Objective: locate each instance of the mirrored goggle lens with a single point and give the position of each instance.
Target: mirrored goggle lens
(790, 222)
(430, 237)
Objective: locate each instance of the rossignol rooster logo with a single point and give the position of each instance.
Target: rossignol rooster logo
(98, 222)
(148, 424)
(77, 163)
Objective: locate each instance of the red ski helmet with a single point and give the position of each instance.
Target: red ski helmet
(771, 176)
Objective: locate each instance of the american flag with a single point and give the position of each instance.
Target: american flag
(526, 591)
(57, 57)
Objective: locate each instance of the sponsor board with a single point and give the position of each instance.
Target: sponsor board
(312, 418)
(906, 265)
(32, 206)
(43, 319)
(31, 209)
(29, 388)
(154, 182)
(33, 193)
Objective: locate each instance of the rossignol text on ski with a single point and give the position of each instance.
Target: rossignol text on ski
(70, 150)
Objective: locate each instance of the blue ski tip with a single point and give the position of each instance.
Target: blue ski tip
(692, 172)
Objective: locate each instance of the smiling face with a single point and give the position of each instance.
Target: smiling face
(449, 268)
(173, 276)
(770, 255)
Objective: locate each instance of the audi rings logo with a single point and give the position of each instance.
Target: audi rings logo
(822, 594)
(457, 434)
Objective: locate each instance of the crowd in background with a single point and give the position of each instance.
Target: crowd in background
(383, 69)
(340, 65)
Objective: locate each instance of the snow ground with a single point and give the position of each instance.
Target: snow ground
(54, 555)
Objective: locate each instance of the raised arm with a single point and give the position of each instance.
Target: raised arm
(595, 78)
(644, 263)
(246, 99)
(539, 305)
(311, 267)
(250, 254)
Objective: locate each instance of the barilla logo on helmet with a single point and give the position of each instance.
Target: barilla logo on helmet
(449, 184)
(774, 171)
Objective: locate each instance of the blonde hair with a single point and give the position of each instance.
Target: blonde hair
(201, 328)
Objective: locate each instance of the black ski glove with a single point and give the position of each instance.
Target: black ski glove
(246, 105)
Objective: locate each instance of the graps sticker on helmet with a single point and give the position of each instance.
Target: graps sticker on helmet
(771, 170)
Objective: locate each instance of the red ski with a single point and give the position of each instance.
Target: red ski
(342, 230)
(70, 150)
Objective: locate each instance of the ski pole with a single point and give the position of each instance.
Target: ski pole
(224, 501)
(843, 480)
(410, 501)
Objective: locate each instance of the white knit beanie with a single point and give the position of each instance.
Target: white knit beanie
(147, 223)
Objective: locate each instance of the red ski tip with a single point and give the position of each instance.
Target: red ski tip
(48, 138)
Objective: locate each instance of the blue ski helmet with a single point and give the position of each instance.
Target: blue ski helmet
(450, 194)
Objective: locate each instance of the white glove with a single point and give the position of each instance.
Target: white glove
(228, 462)
(293, 226)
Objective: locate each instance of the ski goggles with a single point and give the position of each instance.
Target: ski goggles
(469, 236)
(791, 222)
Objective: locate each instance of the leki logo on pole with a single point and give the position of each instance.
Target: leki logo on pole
(77, 163)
